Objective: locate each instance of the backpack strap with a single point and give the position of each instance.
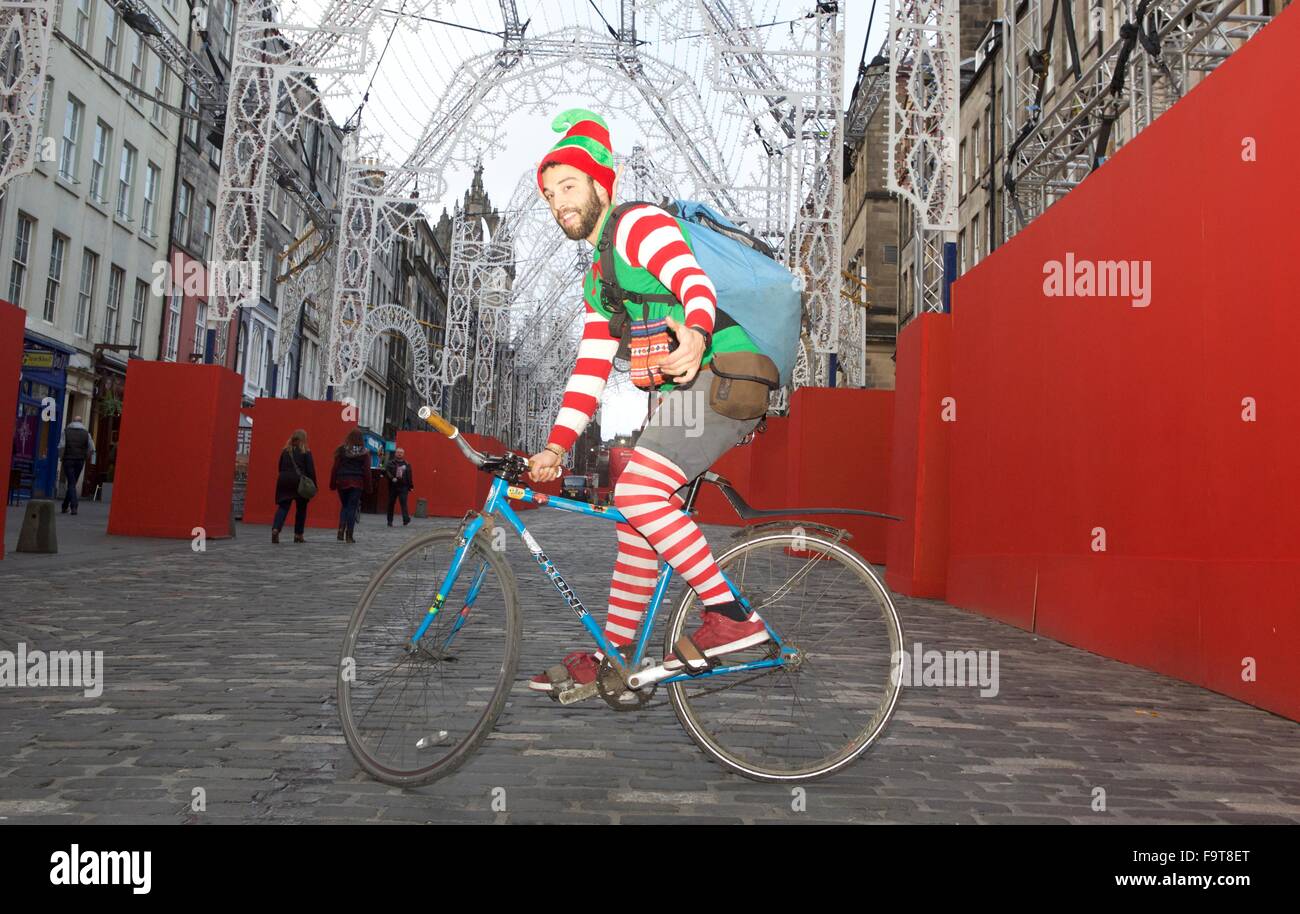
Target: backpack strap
(612, 295)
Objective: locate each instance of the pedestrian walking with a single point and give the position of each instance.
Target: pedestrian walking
(400, 484)
(296, 485)
(350, 477)
(75, 447)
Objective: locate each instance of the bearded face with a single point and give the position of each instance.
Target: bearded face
(574, 200)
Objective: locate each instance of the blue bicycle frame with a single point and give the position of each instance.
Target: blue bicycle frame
(498, 502)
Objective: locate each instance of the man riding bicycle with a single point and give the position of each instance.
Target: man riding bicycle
(672, 344)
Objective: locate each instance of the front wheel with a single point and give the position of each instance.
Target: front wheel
(834, 695)
(412, 713)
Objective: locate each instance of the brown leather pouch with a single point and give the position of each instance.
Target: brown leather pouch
(741, 384)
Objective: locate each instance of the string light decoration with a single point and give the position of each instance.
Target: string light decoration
(25, 29)
(742, 109)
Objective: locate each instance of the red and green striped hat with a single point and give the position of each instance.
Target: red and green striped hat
(585, 146)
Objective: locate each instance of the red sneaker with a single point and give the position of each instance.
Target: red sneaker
(579, 667)
(721, 634)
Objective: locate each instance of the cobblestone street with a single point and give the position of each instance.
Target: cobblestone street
(219, 673)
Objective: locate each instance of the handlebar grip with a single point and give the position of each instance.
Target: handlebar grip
(439, 424)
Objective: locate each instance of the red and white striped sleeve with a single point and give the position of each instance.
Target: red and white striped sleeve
(596, 351)
(649, 238)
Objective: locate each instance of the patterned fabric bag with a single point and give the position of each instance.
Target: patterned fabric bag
(649, 343)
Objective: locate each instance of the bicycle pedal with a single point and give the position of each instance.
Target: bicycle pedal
(575, 693)
(690, 655)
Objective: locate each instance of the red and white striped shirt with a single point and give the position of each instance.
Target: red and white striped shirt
(649, 238)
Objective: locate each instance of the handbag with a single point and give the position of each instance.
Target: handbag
(306, 487)
(741, 384)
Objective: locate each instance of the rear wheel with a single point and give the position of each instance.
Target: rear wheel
(833, 697)
(414, 713)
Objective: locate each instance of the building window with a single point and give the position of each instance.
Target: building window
(962, 170)
(112, 41)
(241, 348)
(269, 362)
(173, 327)
(138, 51)
(975, 239)
(160, 74)
(961, 252)
(137, 313)
(53, 282)
(181, 230)
(45, 107)
(190, 102)
(86, 291)
(976, 161)
(1096, 19)
(228, 20)
(68, 150)
(116, 282)
(200, 328)
(22, 248)
(268, 269)
(209, 217)
(83, 24)
(99, 162)
(152, 178)
(255, 350)
(988, 227)
(125, 179)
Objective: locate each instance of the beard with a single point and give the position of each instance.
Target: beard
(588, 216)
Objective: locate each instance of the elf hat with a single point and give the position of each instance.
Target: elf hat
(585, 146)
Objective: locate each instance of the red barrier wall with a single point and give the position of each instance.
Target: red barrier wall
(838, 456)
(12, 322)
(176, 450)
(274, 420)
(1078, 414)
(923, 415)
(735, 466)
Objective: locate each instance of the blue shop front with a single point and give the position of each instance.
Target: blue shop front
(42, 389)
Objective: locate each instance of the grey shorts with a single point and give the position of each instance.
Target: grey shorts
(686, 430)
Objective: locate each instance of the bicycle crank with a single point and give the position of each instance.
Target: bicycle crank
(611, 687)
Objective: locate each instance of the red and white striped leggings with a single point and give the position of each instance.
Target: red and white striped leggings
(656, 526)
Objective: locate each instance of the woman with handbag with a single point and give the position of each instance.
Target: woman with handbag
(296, 483)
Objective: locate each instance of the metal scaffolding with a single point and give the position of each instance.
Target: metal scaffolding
(1162, 49)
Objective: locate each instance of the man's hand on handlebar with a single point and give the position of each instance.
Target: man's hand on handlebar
(545, 466)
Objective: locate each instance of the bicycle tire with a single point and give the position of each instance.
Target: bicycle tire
(690, 718)
(505, 679)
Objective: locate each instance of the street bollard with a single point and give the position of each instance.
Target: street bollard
(38, 533)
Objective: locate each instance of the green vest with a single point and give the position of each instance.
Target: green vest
(729, 338)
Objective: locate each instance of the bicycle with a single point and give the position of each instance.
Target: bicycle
(745, 710)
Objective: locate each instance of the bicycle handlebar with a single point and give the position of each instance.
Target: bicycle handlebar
(472, 454)
(444, 427)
